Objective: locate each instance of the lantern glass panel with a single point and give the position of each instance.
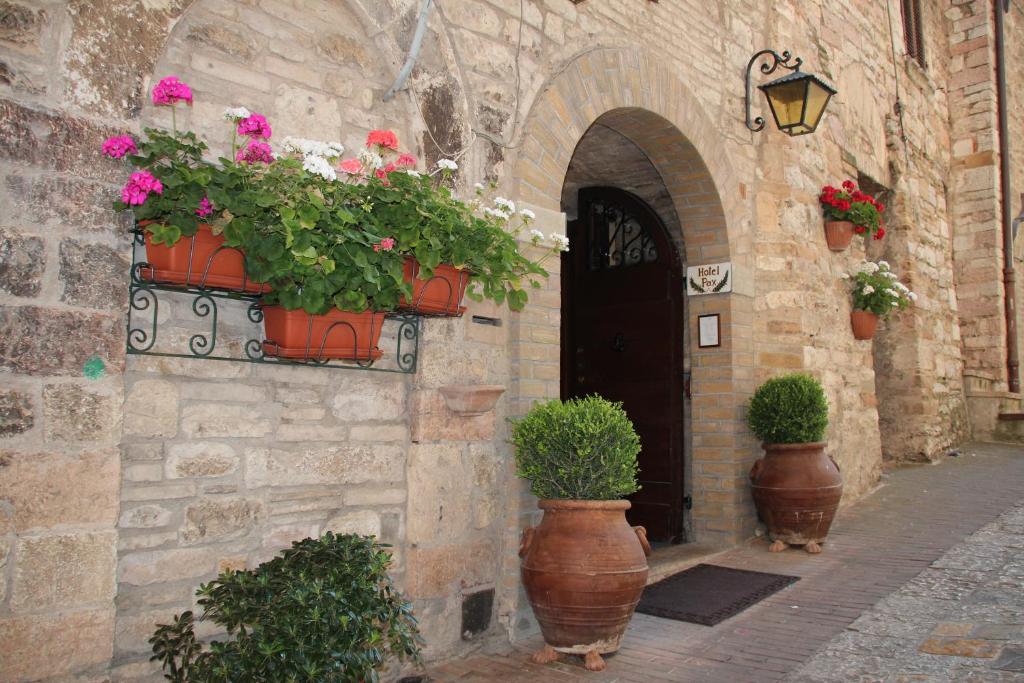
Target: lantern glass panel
(787, 102)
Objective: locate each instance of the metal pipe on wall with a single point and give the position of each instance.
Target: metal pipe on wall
(1009, 276)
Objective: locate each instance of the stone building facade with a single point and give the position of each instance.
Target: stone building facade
(127, 480)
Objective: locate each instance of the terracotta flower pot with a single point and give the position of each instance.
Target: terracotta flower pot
(440, 294)
(838, 234)
(338, 334)
(864, 324)
(584, 569)
(199, 261)
(796, 489)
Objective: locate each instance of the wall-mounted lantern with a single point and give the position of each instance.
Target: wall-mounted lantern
(797, 101)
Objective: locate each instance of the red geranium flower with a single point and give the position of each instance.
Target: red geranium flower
(382, 138)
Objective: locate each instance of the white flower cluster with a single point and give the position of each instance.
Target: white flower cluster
(505, 204)
(447, 165)
(497, 213)
(561, 242)
(869, 267)
(536, 236)
(894, 289)
(236, 113)
(527, 214)
(327, 150)
(320, 166)
(413, 172)
(370, 160)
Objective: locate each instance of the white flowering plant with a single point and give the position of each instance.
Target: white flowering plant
(877, 289)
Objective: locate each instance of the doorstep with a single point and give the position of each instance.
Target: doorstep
(672, 559)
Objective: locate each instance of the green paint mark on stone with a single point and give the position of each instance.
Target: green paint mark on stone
(94, 368)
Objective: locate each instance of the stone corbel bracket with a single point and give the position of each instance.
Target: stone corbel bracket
(471, 399)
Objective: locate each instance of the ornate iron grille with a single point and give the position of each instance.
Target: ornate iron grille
(617, 238)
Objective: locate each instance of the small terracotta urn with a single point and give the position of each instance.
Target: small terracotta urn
(864, 324)
(796, 489)
(584, 569)
(838, 234)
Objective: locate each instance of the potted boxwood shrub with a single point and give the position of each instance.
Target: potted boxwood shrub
(447, 244)
(169, 196)
(848, 211)
(323, 610)
(796, 487)
(580, 458)
(877, 292)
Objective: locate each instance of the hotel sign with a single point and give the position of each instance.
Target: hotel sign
(715, 278)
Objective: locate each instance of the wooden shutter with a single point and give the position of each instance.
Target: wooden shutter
(912, 29)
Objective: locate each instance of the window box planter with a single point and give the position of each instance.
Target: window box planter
(199, 261)
(440, 294)
(337, 334)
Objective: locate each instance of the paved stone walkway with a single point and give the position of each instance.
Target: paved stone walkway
(896, 568)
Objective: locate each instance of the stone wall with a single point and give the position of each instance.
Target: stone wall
(111, 514)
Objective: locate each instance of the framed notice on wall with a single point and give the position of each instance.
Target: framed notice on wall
(709, 331)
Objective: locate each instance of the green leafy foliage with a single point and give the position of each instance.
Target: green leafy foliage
(324, 610)
(580, 449)
(789, 409)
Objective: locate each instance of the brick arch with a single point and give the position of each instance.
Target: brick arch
(633, 93)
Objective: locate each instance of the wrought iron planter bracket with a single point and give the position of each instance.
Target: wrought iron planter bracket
(769, 66)
(143, 326)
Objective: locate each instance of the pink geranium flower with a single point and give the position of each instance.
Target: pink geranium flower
(205, 207)
(352, 166)
(169, 91)
(254, 126)
(386, 244)
(119, 145)
(255, 152)
(382, 138)
(138, 187)
(406, 160)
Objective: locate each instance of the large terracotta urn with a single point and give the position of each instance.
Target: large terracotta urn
(796, 490)
(584, 569)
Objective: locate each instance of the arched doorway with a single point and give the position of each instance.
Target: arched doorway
(622, 338)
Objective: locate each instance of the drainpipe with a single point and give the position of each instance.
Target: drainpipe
(1009, 277)
(414, 51)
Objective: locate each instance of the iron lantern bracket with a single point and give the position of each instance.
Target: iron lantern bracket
(769, 66)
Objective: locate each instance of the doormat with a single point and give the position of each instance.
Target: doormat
(707, 594)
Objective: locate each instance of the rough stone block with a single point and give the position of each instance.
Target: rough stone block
(21, 27)
(73, 413)
(432, 571)
(5, 553)
(22, 264)
(369, 398)
(218, 520)
(345, 464)
(40, 646)
(41, 341)
(204, 420)
(16, 414)
(432, 421)
(200, 459)
(93, 275)
(57, 200)
(159, 566)
(440, 493)
(64, 571)
(224, 391)
(144, 517)
(46, 489)
(151, 409)
(363, 522)
(220, 37)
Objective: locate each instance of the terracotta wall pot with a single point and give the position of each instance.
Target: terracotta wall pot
(864, 324)
(337, 334)
(796, 490)
(200, 261)
(584, 569)
(439, 295)
(838, 234)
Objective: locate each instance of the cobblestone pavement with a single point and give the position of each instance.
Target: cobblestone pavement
(961, 619)
(933, 560)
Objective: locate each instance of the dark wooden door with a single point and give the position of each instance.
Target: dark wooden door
(622, 326)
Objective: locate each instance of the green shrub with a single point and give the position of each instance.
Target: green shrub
(789, 409)
(582, 449)
(323, 610)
